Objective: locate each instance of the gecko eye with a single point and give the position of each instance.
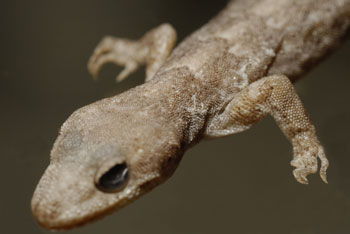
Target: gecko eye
(114, 179)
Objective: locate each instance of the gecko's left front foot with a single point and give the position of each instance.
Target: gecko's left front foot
(275, 95)
(306, 151)
(152, 49)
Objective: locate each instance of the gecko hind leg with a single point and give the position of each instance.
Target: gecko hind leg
(275, 95)
(152, 49)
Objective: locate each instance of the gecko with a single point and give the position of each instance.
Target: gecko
(221, 80)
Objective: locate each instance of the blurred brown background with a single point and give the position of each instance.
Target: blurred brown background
(239, 184)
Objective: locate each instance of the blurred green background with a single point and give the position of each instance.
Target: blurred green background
(239, 184)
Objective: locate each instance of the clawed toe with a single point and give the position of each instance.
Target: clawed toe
(300, 174)
(306, 164)
(152, 49)
(324, 165)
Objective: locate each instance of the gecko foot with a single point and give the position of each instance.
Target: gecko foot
(305, 160)
(115, 50)
(152, 49)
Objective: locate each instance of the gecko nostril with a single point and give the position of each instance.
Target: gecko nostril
(114, 179)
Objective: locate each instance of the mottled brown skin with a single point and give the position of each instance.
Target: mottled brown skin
(222, 79)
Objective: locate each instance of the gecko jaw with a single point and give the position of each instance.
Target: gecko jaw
(53, 215)
(65, 202)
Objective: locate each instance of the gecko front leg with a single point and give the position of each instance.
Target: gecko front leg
(275, 95)
(152, 49)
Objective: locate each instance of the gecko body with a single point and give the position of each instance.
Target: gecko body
(221, 80)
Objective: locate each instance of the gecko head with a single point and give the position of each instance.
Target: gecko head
(94, 171)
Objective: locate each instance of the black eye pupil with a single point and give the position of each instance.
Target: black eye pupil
(114, 179)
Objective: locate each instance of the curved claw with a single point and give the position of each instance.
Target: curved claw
(102, 54)
(300, 175)
(129, 68)
(324, 165)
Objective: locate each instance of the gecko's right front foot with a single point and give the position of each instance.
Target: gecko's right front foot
(152, 49)
(122, 52)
